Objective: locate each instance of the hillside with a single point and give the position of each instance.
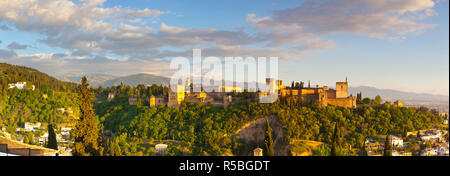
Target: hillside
(252, 135)
(134, 80)
(39, 105)
(14, 73)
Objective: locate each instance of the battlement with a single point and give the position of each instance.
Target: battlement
(323, 95)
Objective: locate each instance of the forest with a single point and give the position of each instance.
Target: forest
(203, 129)
(38, 105)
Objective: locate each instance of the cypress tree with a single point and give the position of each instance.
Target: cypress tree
(115, 148)
(52, 143)
(336, 141)
(268, 142)
(388, 147)
(86, 130)
(405, 133)
(363, 151)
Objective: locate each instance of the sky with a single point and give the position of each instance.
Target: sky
(389, 44)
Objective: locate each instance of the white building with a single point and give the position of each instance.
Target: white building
(65, 129)
(43, 138)
(160, 149)
(442, 149)
(429, 152)
(18, 85)
(432, 135)
(7, 154)
(5, 133)
(396, 141)
(32, 126)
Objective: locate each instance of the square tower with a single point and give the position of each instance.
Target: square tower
(152, 101)
(176, 97)
(342, 89)
(271, 85)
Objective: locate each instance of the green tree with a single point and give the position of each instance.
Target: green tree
(366, 101)
(268, 142)
(388, 147)
(336, 143)
(52, 143)
(378, 99)
(86, 130)
(359, 98)
(115, 148)
(363, 151)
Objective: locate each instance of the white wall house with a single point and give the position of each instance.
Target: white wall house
(161, 149)
(443, 149)
(18, 85)
(32, 126)
(429, 152)
(396, 141)
(432, 135)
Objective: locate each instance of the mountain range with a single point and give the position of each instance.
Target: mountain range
(134, 80)
(131, 80)
(392, 95)
(93, 79)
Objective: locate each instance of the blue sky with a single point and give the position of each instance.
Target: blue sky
(401, 44)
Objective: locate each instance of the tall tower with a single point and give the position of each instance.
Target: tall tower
(342, 89)
(271, 85)
(176, 97)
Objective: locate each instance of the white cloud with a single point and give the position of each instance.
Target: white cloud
(171, 29)
(374, 18)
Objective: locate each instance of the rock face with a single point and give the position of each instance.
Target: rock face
(253, 134)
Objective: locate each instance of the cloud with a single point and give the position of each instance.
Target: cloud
(69, 65)
(5, 54)
(374, 18)
(16, 46)
(5, 28)
(316, 45)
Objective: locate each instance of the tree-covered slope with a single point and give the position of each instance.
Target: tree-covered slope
(14, 73)
(52, 100)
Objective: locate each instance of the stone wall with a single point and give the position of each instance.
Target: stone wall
(349, 102)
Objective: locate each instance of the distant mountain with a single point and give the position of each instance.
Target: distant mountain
(392, 95)
(134, 80)
(93, 79)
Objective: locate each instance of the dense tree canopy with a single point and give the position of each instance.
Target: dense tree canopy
(208, 130)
